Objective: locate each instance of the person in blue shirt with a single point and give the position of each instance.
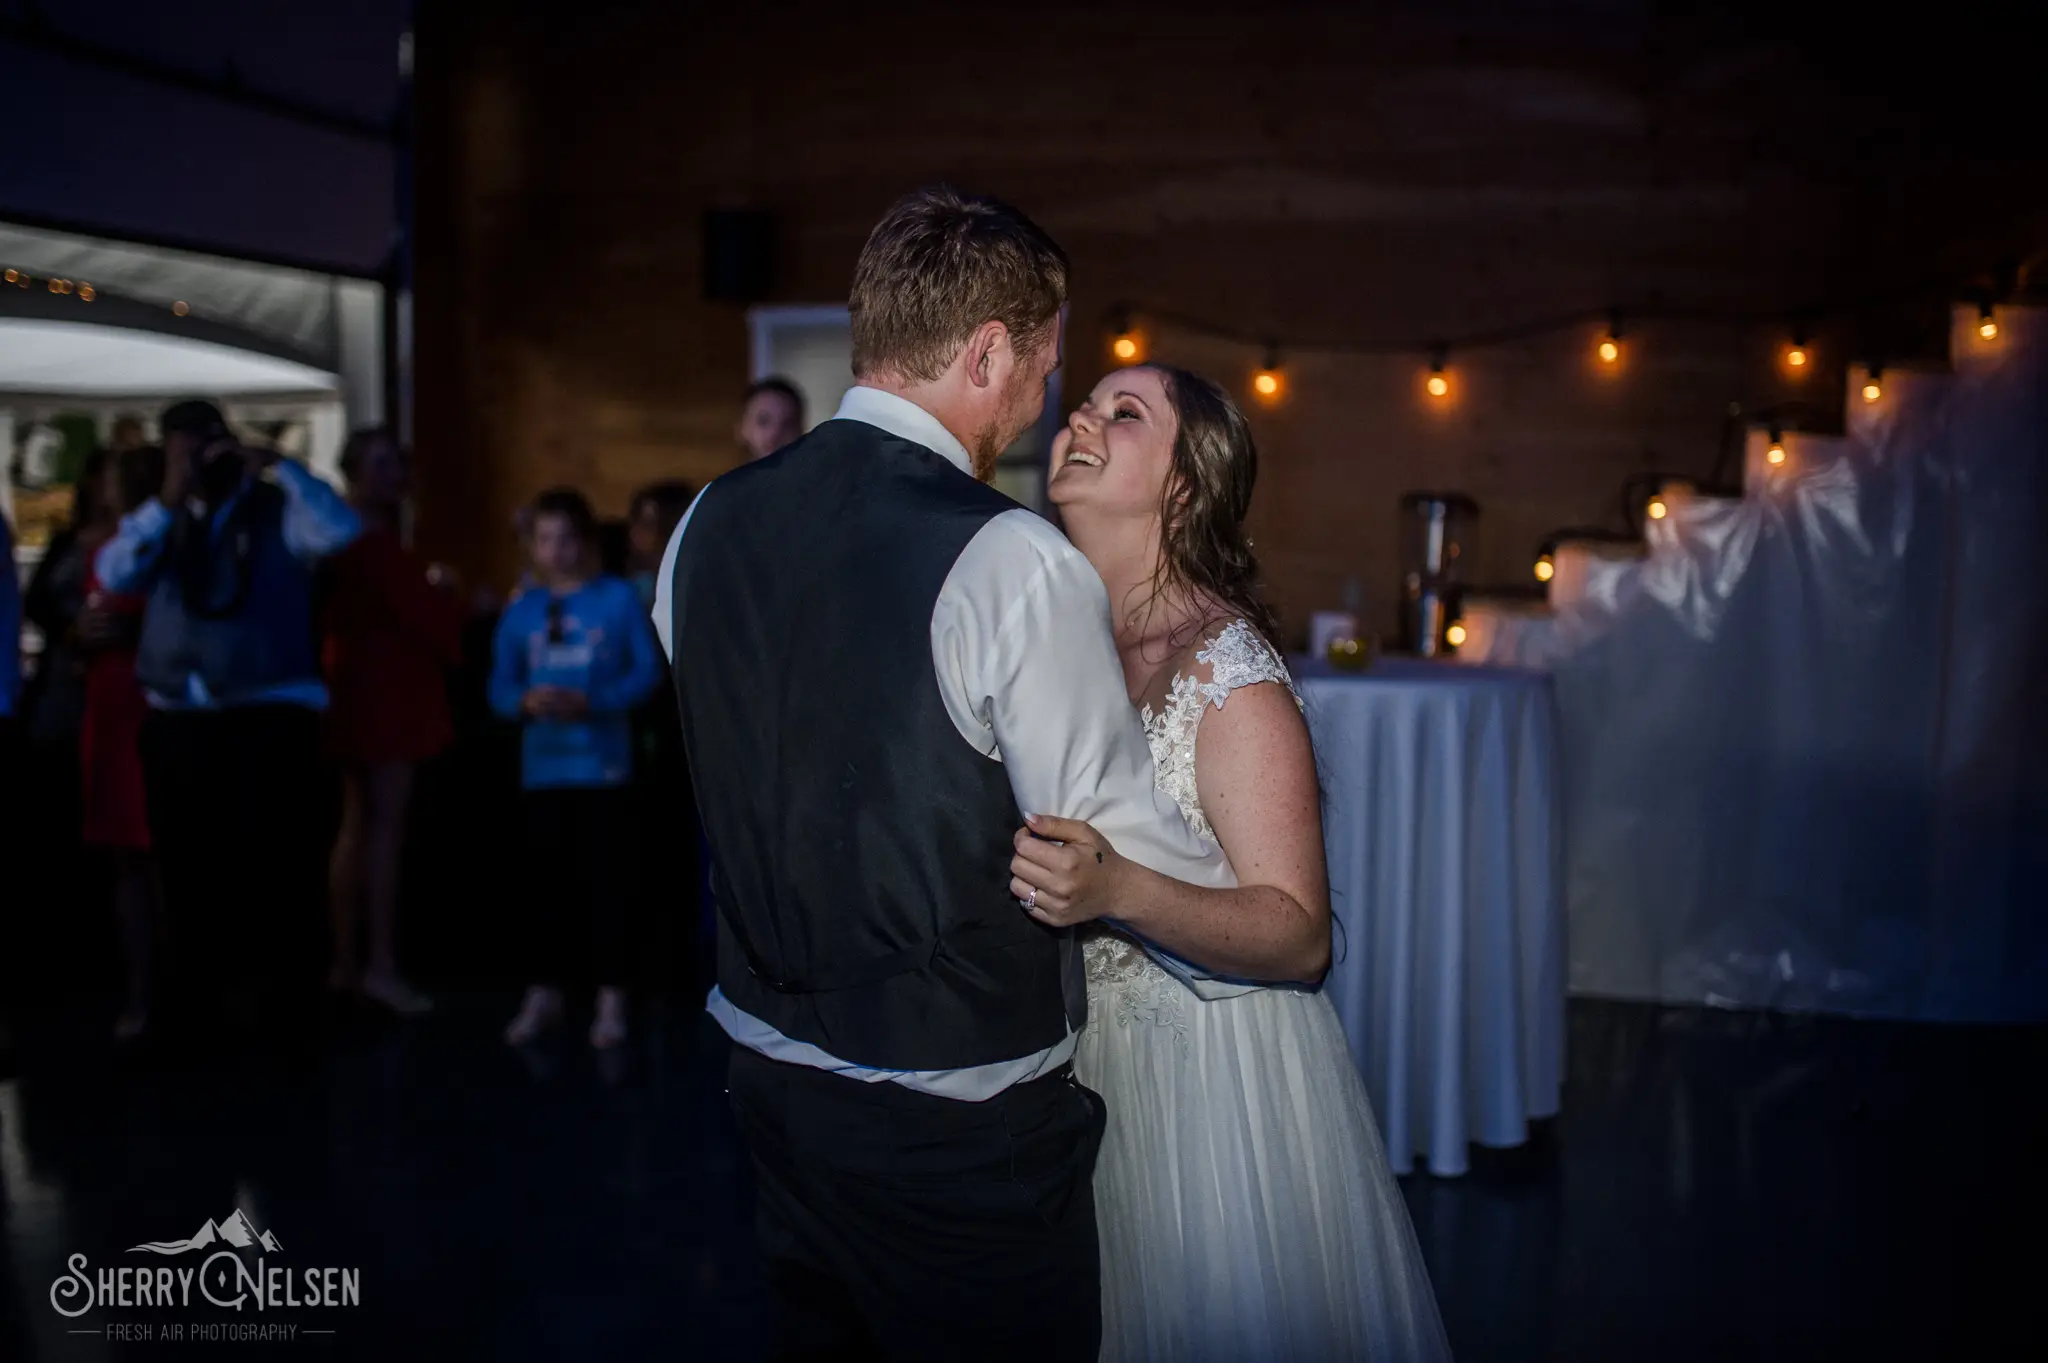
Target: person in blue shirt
(239, 803)
(573, 657)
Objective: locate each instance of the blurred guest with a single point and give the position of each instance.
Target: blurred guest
(53, 703)
(114, 814)
(127, 434)
(390, 636)
(771, 416)
(10, 633)
(670, 841)
(649, 522)
(10, 688)
(10, 627)
(572, 659)
(231, 747)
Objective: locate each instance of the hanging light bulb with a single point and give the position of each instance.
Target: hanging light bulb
(1124, 343)
(1439, 383)
(1775, 455)
(1546, 568)
(1872, 388)
(1657, 509)
(1455, 636)
(1797, 354)
(1610, 344)
(1267, 381)
(1987, 325)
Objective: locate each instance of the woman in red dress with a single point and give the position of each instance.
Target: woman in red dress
(390, 634)
(115, 816)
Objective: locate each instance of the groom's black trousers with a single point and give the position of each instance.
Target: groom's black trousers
(902, 1226)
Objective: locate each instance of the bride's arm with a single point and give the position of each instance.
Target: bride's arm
(1256, 778)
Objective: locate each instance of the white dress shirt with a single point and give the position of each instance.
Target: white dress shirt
(318, 521)
(1027, 665)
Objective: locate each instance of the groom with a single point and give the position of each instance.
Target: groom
(881, 663)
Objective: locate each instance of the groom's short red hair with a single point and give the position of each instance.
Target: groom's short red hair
(938, 265)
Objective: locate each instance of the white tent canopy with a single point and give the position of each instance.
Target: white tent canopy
(80, 359)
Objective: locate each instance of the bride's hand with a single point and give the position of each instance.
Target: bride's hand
(1064, 871)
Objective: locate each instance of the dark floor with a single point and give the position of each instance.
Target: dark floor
(1724, 1186)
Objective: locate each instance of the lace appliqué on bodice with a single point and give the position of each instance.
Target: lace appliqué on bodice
(1123, 981)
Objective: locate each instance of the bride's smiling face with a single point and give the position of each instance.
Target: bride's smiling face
(1116, 451)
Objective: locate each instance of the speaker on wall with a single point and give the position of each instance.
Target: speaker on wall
(739, 255)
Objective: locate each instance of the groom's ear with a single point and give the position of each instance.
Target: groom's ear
(985, 346)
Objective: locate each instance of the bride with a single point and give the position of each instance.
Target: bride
(1244, 1202)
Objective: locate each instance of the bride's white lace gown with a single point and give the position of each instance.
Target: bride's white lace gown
(1245, 1207)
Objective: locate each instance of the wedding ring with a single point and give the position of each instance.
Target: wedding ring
(1031, 900)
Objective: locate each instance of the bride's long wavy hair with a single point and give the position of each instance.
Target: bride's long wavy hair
(1204, 551)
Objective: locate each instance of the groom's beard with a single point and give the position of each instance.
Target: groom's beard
(988, 447)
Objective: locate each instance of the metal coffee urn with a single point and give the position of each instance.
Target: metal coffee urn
(1438, 531)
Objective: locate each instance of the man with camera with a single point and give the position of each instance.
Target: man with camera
(238, 806)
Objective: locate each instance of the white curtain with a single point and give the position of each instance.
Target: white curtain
(1805, 738)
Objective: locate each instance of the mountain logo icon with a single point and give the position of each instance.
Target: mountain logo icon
(237, 1230)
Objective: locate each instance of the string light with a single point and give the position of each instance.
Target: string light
(1546, 568)
(1657, 509)
(14, 276)
(1987, 325)
(1455, 636)
(1267, 382)
(1439, 384)
(1872, 389)
(1776, 453)
(87, 292)
(1797, 354)
(1610, 344)
(1124, 343)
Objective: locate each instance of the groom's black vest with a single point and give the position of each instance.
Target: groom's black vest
(860, 847)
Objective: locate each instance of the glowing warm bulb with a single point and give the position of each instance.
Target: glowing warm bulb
(1455, 636)
(1125, 348)
(1545, 569)
(14, 276)
(1988, 329)
(1776, 453)
(1658, 511)
(1871, 392)
(1796, 357)
(1266, 383)
(1609, 351)
(87, 292)
(1438, 385)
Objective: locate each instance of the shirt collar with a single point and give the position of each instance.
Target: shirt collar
(905, 419)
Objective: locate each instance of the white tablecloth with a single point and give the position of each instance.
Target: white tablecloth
(1441, 820)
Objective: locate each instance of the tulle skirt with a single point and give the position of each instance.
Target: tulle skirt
(1245, 1207)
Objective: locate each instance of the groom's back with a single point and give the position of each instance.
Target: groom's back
(860, 846)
